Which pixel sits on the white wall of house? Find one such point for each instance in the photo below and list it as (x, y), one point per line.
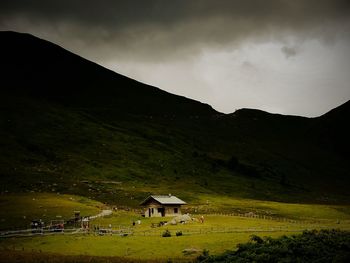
(154, 209)
(173, 211)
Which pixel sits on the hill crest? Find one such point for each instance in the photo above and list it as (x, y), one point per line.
(37, 67)
(65, 120)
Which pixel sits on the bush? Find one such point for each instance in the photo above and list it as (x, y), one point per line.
(179, 233)
(166, 233)
(310, 246)
(257, 239)
(204, 256)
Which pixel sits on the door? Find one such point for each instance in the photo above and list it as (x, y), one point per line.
(161, 210)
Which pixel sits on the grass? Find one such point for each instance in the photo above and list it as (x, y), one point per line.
(217, 223)
(17, 210)
(49, 144)
(136, 247)
(151, 246)
(114, 141)
(47, 206)
(158, 249)
(224, 204)
(216, 234)
(34, 257)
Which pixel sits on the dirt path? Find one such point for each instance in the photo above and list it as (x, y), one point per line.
(106, 212)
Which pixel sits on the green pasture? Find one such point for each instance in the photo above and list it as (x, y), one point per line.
(18, 210)
(147, 243)
(218, 204)
(137, 247)
(214, 223)
(218, 232)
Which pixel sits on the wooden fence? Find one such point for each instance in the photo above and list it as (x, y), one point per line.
(38, 232)
(204, 231)
(267, 217)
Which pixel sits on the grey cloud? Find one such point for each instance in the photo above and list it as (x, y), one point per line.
(121, 13)
(155, 29)
(248, 66)
(223, 52)
(289, 51)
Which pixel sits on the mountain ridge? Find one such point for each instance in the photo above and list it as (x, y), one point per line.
(74, 121)
(13, 39)
(51, 61)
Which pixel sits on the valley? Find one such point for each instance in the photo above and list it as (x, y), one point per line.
(75, 136)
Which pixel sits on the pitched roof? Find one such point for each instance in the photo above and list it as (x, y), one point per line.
(165, 200)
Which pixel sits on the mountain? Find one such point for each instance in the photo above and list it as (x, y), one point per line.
(38, 68)
(69, 125)
(333, 129)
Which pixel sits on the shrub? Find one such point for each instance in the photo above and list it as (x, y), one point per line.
(179, 233)
(310, 246)
(256, 239)
(204, 256)
(166, 233)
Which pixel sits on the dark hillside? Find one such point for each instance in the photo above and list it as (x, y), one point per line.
(333, 128)
(291, 148)
(35, 67)
(66, 121)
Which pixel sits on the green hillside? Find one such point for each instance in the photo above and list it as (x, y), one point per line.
(71, 126)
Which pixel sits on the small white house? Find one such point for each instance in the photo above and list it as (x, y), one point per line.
(162, 205)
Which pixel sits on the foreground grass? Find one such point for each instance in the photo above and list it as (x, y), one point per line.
(216, 234)
(150, 248)
(133, 247)
(147, 242)
(34, 257)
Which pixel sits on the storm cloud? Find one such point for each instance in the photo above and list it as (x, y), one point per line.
(289, 51)
(157, 28)
(135, 37)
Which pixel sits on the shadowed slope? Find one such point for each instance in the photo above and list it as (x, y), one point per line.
(36, 67)
(65, 120)
(333, 128)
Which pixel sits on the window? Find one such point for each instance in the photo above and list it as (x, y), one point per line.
(175, 210)
(152, 210)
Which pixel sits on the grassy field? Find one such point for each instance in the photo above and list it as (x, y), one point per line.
(136, 247)
(18, 210)
(212, 203)
(147, 243)
(216, 234)
(97, 139)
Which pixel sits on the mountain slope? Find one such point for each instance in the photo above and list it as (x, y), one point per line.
(39, 68)
(69, 125)
(333, 128)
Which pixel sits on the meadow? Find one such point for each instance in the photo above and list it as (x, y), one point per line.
(97, 140)
(18, 210)
(218, 233)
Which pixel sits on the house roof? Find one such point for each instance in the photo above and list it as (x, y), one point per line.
(165, 200)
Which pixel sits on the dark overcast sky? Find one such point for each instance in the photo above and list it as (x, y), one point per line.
(285, 56)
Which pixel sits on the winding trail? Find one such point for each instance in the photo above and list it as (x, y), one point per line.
(106, 212)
